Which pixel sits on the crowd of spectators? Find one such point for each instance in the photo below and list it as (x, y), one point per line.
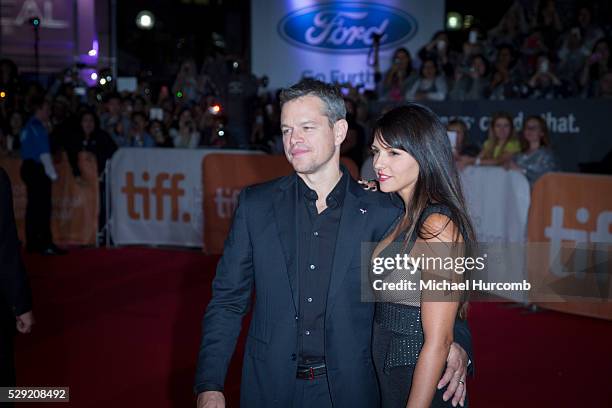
(531, 53)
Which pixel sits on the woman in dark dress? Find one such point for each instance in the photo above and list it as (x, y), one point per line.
(412, 333)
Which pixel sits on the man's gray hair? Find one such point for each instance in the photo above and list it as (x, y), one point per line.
(333, 102)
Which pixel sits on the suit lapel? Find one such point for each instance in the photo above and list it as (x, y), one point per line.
(284, 216)
(352, 222)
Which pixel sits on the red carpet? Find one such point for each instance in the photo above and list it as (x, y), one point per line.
(121, 328)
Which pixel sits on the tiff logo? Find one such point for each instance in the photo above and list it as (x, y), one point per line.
(557, 233)
(226, 200)
(159, 192)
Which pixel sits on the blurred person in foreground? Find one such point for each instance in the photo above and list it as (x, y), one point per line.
(309, 342)
(536, 157)
(500, 146)
(15, 295)
(38, 172)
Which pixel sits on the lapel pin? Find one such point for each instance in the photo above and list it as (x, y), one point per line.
(363, 211)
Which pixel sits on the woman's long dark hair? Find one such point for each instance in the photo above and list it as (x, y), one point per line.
(418, 131)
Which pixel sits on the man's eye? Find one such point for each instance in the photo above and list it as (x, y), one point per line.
(394, 153)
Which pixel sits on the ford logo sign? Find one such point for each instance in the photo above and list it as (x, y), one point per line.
(346, 27)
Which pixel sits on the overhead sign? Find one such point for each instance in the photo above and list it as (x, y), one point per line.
(347, 27)
(333, 41)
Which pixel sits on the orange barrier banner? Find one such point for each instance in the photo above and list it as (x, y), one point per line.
(74, 218)
(566, 210)
(224, 176)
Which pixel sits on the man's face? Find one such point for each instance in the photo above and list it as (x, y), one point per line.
(308, 139)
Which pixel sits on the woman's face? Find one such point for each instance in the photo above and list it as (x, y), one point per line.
(429, 70)
(402, 59)
(533, 131)
(88, 124)
(460, 134)
(396, 170)
(504, 57)
(502, 129)
(603, 50)
(16, 121)
(479, 66)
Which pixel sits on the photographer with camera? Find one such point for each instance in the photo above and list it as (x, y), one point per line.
(400, 77)
(184, 133)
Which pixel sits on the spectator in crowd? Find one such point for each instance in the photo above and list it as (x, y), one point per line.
(12, 133)
(549, 23)
(598, 64)
(400, 77)
(138, 135)
(184, 133)
(92, 139)
(536, 158)
(589, 31)
(429, 86)
(572, 56)
(472, 84)
(512, 26)
(501, 143)
(239, 92)
(605, 86)
(113, 121)
(354, 143)
(160, 134)
(504, 81)
(38, 172)
(544, 83)
(438, 50)
(462, 146)
(185, 87)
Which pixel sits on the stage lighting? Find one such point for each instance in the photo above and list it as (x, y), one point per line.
(468, 21)
(94, 76)
(102, 81)
(35, 21)
(2, 94)
(92, 53)
(179, 94)
(214, 109)
(454, 21)
(145, 20)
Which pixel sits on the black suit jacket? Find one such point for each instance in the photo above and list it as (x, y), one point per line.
(15, 295)
(260, 255)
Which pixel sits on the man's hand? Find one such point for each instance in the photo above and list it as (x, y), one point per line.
(25, 322)
(211, 399)
(454, 376)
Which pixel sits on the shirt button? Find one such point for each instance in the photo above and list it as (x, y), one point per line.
(296, 317)
(309, 300)
(307, 332)
(312, 267)
(316, 233)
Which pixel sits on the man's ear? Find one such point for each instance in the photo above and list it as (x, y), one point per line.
(340, 130)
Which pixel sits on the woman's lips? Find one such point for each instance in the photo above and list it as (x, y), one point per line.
(383, 177)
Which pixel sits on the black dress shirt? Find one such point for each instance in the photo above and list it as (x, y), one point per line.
(317, 234)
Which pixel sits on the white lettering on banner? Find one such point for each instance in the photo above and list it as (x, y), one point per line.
(556, 124)
(363, 77)
(329, 27)
(31, 8)
(557, 233)
(226, 200)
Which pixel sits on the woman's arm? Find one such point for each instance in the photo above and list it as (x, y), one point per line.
(438, 319)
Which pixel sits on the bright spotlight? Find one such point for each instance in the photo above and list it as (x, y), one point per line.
(145, 20)
(102, 81)
(94, 76)
(454, 21)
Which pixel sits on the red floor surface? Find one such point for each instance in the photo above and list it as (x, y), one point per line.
(121, 328)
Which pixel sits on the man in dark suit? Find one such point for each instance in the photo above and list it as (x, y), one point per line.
(15, 297)
(295, 241)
